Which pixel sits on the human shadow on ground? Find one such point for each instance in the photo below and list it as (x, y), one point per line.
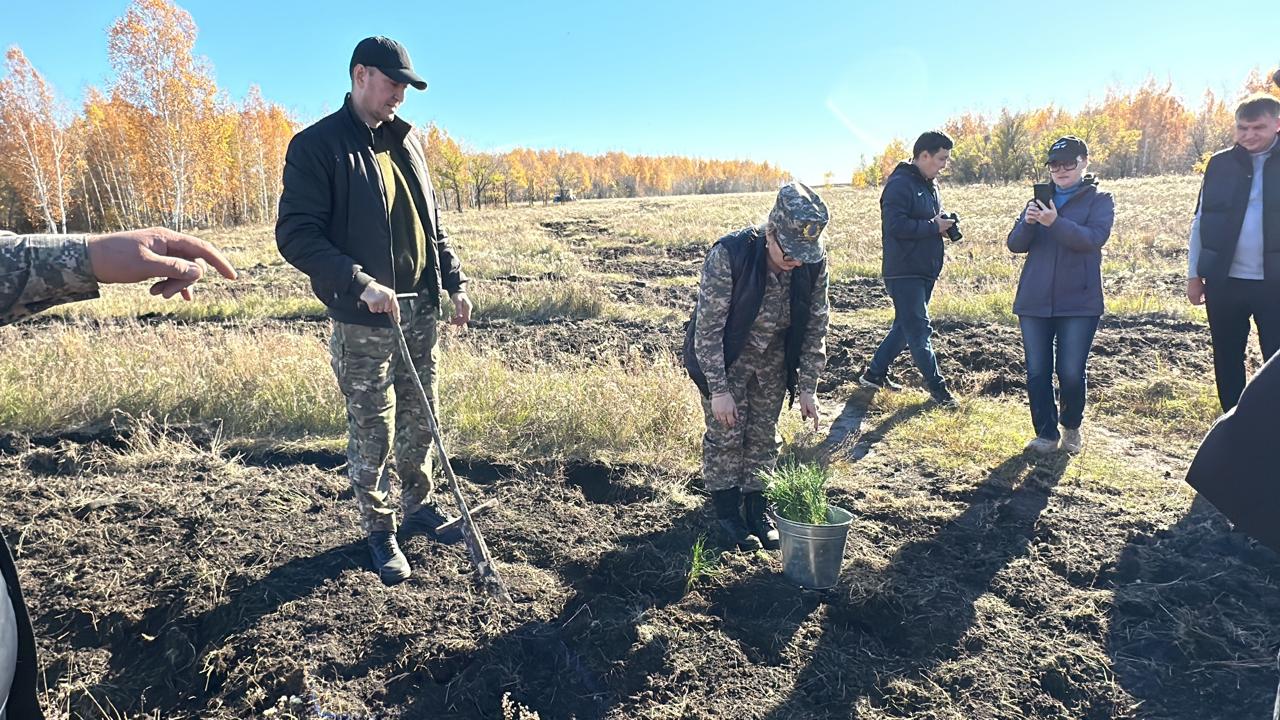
(912, 616)
(1195, 620)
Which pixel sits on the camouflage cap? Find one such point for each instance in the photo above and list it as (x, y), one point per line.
(800, 216)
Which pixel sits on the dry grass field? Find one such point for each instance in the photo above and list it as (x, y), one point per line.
(175, 489)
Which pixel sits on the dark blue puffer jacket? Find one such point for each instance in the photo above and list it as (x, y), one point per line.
(1062, 276)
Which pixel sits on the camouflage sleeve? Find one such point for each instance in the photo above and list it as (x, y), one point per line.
(714, 294)
(813, 351)
(40, 271)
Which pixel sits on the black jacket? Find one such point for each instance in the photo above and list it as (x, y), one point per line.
(749, 263)
(22, 695)
(1236, 467)
(912, 244)
(333, 223)
(1224, 197)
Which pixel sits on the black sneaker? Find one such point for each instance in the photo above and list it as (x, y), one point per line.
(427, 518)
(880, 382)
(390, 563)
(943, 398)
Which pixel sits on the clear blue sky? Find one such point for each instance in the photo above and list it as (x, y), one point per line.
(810, 86)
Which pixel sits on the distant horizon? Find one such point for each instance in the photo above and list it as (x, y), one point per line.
(724, 82)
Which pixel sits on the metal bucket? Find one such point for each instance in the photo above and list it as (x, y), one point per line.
(812, 554)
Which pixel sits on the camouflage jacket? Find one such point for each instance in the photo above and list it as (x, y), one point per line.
(40, 271)
(715, 296)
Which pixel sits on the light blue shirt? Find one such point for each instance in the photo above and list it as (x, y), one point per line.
(1247, 263)
(1062, 195)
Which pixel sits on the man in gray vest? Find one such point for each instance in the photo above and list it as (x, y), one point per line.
(1234, 258)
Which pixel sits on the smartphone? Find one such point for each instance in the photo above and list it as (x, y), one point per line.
(1043, 192)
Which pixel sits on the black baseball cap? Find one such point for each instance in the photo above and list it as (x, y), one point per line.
(389, 57)
(1066, 149)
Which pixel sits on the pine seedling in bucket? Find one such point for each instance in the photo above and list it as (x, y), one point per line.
(811, 531)
(798, 492)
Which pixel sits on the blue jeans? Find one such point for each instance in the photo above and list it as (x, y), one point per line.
(1074, 337)
(911, 329)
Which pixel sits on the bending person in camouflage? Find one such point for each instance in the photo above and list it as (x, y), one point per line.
(758, 333)
(359, 216)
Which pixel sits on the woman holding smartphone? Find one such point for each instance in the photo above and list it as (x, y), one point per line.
(1059, 300)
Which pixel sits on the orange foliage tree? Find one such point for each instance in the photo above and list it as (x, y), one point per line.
(1142, 132)
(35, 145)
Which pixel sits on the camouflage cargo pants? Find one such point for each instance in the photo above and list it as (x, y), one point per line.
(384, 408)
(736, 456)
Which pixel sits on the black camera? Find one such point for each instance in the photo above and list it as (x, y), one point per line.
(953, 232)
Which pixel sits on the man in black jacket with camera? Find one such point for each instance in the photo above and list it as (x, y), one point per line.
(912, 228)
(359, 216)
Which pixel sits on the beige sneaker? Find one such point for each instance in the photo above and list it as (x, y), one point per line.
(1071, 440)
(1042, 446)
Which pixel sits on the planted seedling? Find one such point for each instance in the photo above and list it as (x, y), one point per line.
(702, 563)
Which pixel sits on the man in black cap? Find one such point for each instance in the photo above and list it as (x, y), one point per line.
(359, 216)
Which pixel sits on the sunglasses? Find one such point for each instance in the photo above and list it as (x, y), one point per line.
(1062, 166)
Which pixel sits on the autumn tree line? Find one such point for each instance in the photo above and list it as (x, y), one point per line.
(1147, 131)
(162, 144)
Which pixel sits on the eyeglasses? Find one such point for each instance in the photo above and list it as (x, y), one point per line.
(1062, 167)
(785, 256)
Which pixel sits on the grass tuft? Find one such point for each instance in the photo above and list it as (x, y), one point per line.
(799, 492)
(702, 564)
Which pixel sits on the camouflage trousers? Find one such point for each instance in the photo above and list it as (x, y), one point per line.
(385, 408)
(736, 456)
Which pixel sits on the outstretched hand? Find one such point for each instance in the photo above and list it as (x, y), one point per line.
(137, 255)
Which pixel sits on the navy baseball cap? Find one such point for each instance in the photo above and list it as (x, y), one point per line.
(389, 57)
(1067, 149)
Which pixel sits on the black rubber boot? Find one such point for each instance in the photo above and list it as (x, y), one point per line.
(426, 519)
(390, 563)
(733, 531)
(759, 523)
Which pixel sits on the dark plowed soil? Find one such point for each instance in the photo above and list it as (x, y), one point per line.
(858, 294)
(987, 358)
(676, 298)
(197, 587)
